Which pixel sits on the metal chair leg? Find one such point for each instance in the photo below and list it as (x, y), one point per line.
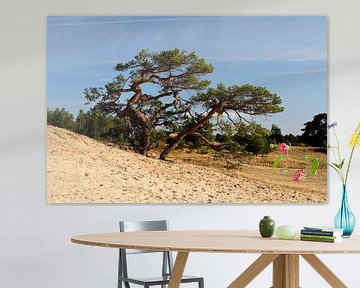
(165, 266)
(201, 283)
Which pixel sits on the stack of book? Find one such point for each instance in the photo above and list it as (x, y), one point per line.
(321, 234)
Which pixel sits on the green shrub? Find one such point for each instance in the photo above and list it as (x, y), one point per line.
(203, 150)
(258, 145)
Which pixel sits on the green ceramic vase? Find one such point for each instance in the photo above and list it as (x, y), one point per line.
(266, 227)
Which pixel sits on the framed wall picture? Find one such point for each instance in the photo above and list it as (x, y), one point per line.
(184, 109)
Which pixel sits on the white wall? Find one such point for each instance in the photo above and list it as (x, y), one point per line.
(35, 248)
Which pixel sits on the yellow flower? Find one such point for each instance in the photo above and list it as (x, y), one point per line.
(355, 138)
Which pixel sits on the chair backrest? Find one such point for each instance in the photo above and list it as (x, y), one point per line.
(134, 226)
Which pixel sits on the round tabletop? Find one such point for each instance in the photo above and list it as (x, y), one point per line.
(217, 241)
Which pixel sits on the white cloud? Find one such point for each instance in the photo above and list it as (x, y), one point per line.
(140, 20)
(304, 72)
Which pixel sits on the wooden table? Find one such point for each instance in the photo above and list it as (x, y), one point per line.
(284, 254)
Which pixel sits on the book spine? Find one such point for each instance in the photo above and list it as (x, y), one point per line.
(320, 233)
(318, 236)
(318, 239)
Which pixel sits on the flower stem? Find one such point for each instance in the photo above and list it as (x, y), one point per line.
(348, 166)
(339, 157)
(338, 146)
(337, 171)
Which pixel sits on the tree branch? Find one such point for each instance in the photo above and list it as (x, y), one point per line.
(241, 117)
(157, 97)
(206, 141)
(166, 106)
(228, 116)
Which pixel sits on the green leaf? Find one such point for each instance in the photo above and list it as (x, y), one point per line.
(334, 167)
(339, 166)
(307, 158)
(314, 166)
(277, 161)
(342, 163)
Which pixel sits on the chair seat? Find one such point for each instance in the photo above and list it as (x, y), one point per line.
(158, 280)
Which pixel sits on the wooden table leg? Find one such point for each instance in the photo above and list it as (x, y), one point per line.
(293, 262)
(324, 271)
(286, 271)
(253, 270)
(178, 270)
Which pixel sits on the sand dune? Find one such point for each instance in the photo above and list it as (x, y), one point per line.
(82, 170)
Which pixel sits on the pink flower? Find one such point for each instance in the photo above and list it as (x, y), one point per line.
(284, 148)
(298, 175)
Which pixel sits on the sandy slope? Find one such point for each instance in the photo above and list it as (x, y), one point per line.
(82, 170)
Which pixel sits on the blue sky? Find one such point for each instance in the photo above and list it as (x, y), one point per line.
(287, 55)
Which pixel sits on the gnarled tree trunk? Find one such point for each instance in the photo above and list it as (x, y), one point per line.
(177, 139)
(139, 119)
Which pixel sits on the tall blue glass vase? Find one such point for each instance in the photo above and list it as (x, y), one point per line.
(345, 219)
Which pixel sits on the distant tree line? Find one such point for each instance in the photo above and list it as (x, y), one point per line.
(94, 124)
(313, 134)
(244, 137)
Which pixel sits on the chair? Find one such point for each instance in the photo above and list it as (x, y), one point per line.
(167, 262)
